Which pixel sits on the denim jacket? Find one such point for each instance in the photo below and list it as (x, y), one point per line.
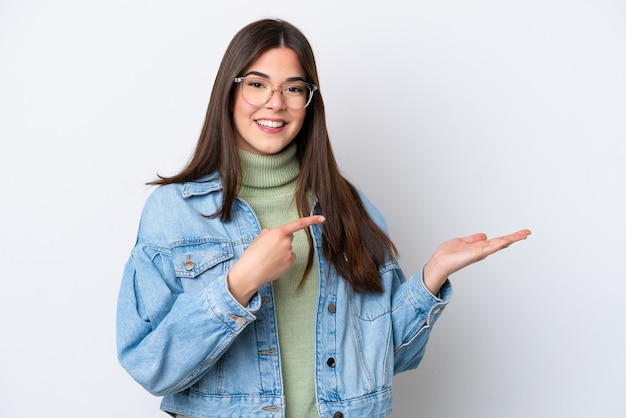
(183, 336)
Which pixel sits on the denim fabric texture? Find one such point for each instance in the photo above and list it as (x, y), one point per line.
(182, 335)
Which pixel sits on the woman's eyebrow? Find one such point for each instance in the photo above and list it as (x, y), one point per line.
(267, 77)
(256, 73)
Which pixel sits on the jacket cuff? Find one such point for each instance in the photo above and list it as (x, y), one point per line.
(226, 308)
(424, 301)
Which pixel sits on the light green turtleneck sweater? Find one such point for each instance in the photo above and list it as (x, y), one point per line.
(269, 184)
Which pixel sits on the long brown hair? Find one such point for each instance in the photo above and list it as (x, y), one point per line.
(351, 240)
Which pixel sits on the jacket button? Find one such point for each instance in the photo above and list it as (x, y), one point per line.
(188, 263)
(331, 362)
(338, 414)
(332, 308)
(239, 320)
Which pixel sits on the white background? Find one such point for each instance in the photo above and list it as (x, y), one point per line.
(454, 117)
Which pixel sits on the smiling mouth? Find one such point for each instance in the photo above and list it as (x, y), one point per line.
(270, 123)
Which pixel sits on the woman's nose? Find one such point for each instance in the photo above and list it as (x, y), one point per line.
(276, 101)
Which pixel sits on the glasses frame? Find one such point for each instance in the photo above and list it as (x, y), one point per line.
(312, 89)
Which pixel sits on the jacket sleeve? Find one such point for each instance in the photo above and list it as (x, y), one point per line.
(166, 339)
(414, 312)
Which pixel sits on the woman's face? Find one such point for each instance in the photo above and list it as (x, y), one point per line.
(267, 129)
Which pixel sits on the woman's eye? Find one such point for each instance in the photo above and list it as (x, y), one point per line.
(256, 84)
(295, 89)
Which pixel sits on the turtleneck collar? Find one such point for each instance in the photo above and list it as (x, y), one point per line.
(269, 171)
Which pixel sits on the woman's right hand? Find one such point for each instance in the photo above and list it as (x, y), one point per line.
(266, 259)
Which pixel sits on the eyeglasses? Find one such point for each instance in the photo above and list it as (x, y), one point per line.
(257, 91)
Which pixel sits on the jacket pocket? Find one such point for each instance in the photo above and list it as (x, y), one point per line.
(192, 258)
(369, 306)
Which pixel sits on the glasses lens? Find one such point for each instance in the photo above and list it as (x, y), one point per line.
(257, 92)
(296, 95)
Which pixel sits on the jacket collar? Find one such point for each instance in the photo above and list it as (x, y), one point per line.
(213, 183)
(204, 185)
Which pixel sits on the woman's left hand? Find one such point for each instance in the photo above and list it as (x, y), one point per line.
(453, 255)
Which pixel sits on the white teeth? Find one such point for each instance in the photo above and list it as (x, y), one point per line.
(270, 123)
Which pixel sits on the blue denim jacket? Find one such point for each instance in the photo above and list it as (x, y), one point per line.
(183, 336)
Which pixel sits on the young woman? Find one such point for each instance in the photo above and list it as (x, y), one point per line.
(262, 283)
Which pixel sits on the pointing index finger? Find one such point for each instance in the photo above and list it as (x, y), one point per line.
(301, 223)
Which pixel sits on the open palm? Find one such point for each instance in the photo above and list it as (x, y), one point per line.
(457, 253)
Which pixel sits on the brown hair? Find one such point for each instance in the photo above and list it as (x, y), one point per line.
(352, 242)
